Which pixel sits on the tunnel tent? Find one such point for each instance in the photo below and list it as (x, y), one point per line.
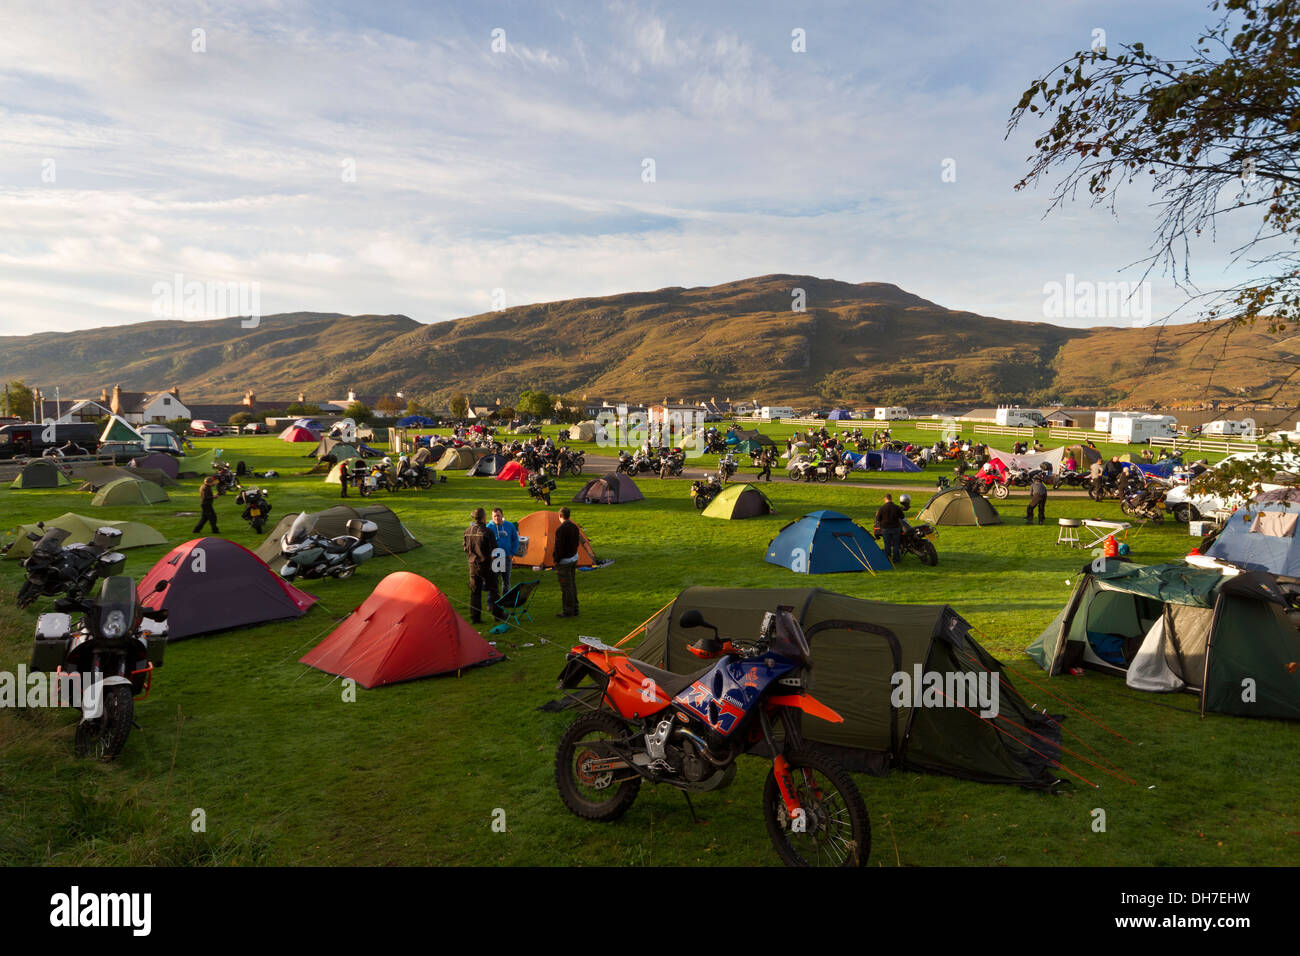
(81, 530)
(393, 537)
(405, 630)
(857, 648)
(1172, 627)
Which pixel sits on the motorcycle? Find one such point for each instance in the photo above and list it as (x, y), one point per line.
(71, 571)
(416, 476)
(726, 468)
(671, 464)
(626, 465)
(688, 730)
(843, 469)
(805, 470)
(310, 555)
(576, 461)
(540, 487)
(1148, 503)
(916, 540)
(1069, 479)
(985, 484)
(705, 490)
(257, 506)
(109, 656)
(226, 479)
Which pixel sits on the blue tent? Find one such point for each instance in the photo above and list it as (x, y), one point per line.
(881, 461)
(826, 542)
(839, 415)
(412, 421)
(1261, 537)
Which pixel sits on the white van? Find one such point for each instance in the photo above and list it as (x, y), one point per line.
(1105, 420)
(1189, 502)
(1133, 431)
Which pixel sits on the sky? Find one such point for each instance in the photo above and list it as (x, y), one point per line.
(440, 160)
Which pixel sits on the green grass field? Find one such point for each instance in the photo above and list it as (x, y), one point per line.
(284, 771)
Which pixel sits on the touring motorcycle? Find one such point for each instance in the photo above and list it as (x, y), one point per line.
(311, 555)
(72, 571)
(687, 731)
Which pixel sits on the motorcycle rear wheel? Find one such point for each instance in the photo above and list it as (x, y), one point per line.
(927, 553)
(364, 490)
(592, 796)
(838, 830)
(104, 738)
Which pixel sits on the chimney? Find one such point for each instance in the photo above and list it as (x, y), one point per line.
(103, 396)
(249, 398)
(352, 396)
(175, 392)
(117, 400)
(302, 398)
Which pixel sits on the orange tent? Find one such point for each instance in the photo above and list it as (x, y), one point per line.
(539, 528)
(405, 630)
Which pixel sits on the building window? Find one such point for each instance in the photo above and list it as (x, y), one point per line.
(167, 401)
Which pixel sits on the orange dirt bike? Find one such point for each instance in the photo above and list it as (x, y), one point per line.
(687, 730)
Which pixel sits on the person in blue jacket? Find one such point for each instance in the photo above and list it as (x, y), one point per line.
(507, 541)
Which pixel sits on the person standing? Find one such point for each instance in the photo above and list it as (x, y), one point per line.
(889, 519)
(207, 497)
(480, 542)
(1095, 472)
(507, 538)
(765, 463)
(566, 564)
(1038, 498)
(345, 477)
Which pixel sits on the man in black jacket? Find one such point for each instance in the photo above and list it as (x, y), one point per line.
(566, 564)
(207, 495)
(889, 519)
(1037, 499)
(480, 542)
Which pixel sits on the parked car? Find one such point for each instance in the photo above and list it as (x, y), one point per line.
(256, 428)
(203, 428)
(1189, 502)
(123, 451)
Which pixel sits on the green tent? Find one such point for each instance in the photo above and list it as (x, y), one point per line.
(391, 538)
(129, 491)
(857, 647)
(456, 459)
(40, 473)
(81, 530)
(94, 477)
(119, 430)
(1170, 627)
(957, 506)
(739, 501)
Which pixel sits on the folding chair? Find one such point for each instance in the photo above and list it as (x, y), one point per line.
(515, 601)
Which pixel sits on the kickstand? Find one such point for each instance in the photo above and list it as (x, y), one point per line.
(690, 806)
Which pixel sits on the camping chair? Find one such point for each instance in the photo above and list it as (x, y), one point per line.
(515, 601)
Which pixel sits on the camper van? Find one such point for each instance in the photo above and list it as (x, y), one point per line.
(893, 413)
(1016, 417)
(1105, 421)
(1225, 426)
(776, 411)
(32, 438)
(1134, 431)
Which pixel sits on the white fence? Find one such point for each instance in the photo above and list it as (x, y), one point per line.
(1076, 434)
(1016, 431)
(1223, 446)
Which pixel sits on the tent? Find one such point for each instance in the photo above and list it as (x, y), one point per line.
(391, 538)
(167, 464)
(118, 430)
(40, 473)
(296, 433)
(455, 459)
(857, 648)
(82, 529)
(95, 477)
(1262, 535)
(1084, 455)
(839, 415)
(513, 471)
(609, 489)
(880, 461)
(587, 431)
(214, 584)
(405, 630)
(415, 421)
(129, 491)
(957, 506)
(487, 466)
(826, 542)
(739, 501)
(1168, 627)
(539, 528)
(324, 447)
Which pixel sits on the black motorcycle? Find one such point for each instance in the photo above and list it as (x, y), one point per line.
(1146, 504)
(416, 476)
(726, 468)
(257, 506)
(107, 658)
(916, 540)
(71, 571)
(1070, 479)
(705, 490)
(671, 464)
(540, 486)
(226, 479)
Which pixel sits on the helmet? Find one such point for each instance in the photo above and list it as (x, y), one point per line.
(387, 460)
(905, 501)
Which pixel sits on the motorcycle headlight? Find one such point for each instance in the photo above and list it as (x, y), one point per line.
(114, 624)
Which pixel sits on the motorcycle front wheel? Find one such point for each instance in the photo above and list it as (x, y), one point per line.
(104, 738)
(1001, 490)
(593, 796)
(835, 830)
(27, 594)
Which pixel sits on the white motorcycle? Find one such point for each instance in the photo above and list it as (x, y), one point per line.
(311, 555)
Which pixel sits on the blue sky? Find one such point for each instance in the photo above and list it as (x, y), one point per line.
(521, 170)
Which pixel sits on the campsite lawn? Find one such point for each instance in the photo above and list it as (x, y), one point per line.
(286, 772)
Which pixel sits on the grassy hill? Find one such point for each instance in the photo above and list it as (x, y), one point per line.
(853, 343)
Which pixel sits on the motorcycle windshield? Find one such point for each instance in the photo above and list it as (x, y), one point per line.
(52, 541)
(301, 530)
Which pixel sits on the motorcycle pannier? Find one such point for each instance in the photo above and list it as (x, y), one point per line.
(53, 637)
(107, 538)
(362, 530)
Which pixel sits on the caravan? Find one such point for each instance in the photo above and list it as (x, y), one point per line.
(1105, 421)
(1016, 417)
(892, 413)
(1137, 430)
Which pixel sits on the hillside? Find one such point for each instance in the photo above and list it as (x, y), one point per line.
(854, 343)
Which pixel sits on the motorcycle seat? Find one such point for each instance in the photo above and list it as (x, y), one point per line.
(670, 683)
(341, 543)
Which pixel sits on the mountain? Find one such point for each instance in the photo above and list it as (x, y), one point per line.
(852, 343)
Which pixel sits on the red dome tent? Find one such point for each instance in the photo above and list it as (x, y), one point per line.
(296, 433)
(513, 471)
(405, 630)
(214, 584)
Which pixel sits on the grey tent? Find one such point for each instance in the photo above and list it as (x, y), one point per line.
(610, 489)
(1171, 627)
(1262, 535)
(857, 647)
(392, 537)
(455, 458)
(40, 473)
(487, 466)
(157, 461)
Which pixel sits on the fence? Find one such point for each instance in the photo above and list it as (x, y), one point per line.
(1076, 434)
(1222, 446)
(1015, 431)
